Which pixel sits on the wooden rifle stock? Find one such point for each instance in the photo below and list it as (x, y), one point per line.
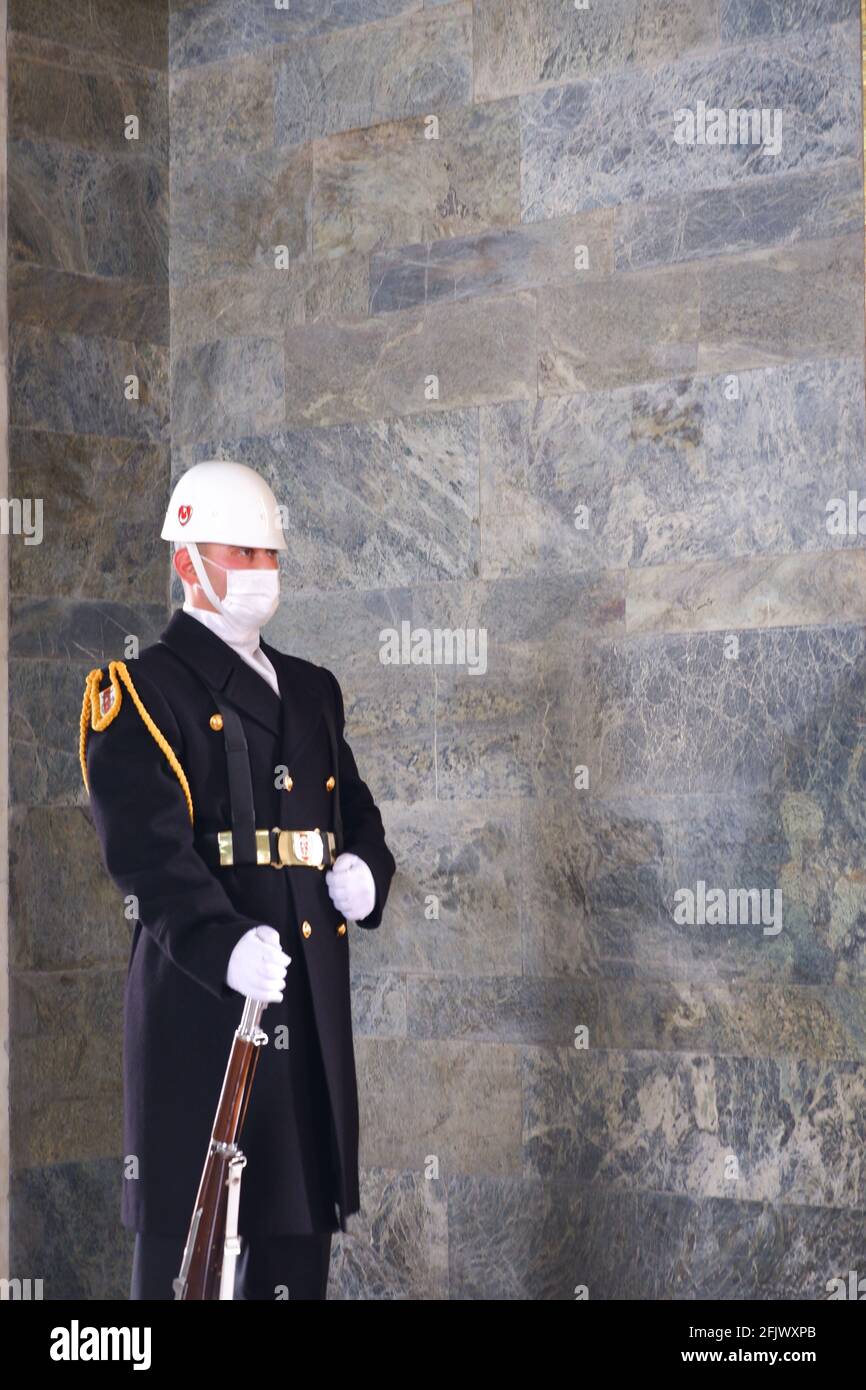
(212, 1246)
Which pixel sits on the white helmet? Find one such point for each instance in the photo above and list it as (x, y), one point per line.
(224, 502)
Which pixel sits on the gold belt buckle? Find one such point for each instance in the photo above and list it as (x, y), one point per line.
(300, 848)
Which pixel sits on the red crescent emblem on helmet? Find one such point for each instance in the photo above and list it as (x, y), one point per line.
(184, 514)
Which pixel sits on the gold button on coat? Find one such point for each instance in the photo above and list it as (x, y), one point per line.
(288, 784)
(341, 930)
(306, 928)
(216, 721)
(330, 784)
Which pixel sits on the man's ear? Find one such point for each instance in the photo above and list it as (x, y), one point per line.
(183, 565)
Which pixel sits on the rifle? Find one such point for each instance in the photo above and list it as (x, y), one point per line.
(207, 1270)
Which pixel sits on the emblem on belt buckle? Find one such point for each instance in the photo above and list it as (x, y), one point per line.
(308, 847)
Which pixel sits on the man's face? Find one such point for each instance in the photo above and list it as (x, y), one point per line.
(233, 557)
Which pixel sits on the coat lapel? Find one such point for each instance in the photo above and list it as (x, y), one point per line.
(302, 702)
(220, 667)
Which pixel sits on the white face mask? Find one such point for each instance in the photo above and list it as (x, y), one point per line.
(252, 596)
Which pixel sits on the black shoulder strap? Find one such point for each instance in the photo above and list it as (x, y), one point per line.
(240, 783)
(328, 710)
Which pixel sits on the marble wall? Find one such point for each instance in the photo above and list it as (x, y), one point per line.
(89, 309)
(553, 375)
(694, 379)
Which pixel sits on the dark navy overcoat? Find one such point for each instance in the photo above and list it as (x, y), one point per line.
(300, 1135)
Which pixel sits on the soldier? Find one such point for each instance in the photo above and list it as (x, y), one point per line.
(196, 757)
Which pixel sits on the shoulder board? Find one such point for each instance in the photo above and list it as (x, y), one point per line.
(101, 707)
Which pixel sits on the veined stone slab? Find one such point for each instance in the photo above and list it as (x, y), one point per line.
(743, 217)
(743, 19)
(720, 315)
(453, 903)
(75, 385)
(105, 307)
(737, 1017)
(372, 505)
(59, 94)
(384, 367)
(307, 291)
(611, 139)
(222, 109)
(103, 501)
(391, 184)
(263, 203)
(231, 387)
(754, 591)
(778, 305)
(671, 472)
(456, 1100)
(671, 1124)
(563, 250)
(354, 78)
(131, 33)
(213, 29)
(98, 214)
(521, 44)
(397, 1245)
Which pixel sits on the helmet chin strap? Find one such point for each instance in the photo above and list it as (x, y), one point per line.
(203, 580)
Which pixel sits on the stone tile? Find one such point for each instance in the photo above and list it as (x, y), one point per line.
(610, 140)
(766, 591)
(667, 472)
(97, 214)
(673, 714)
(462, 863)
(82, 304)
(378, 997)
(532, 42)
(598, 904)
(222, 109)
(89, 631)
(378, 505)
(90, 931)
(103, 503)
(618, 330)
(345, 638)
(742, 19)
(742, 1018)
(233, 387)
(214, 29)
(452, 1100)
(518, 1239)
(353, 78)
(240, 306)
(492, 729)
(522, 614)
(53, 99)
(366, 371)
(45, 700)
(390, 727)
(517, 258)
(133, 34)
(71, 384)
(63, 1003)
(801, 302)
(392, 184)
(397, 1244)
(65, 1229)
(263, 203)
(776, 211)
(673, 1124)
(73, 1069)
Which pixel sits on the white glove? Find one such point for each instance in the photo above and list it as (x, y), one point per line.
(352, 887)
(257, 966)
